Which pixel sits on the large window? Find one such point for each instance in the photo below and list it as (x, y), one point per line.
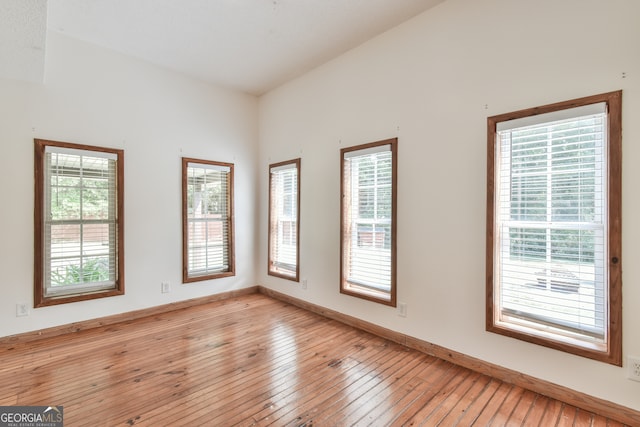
(78, 222)
(284, 224)
(368, 221)
(553, 226)
(207, 220)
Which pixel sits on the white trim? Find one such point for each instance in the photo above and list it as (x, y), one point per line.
(555, 116)
(220, 168)
(283, 167)
(366, 151)
(79, 152)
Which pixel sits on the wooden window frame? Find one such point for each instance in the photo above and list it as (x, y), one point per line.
(345, 286)
(231, 271)
(612, 354)
(40, 297)
(271, 264)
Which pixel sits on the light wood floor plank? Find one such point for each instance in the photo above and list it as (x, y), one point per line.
(552, 413)
(503, 413)
(280, 380)
(401, 393)
(567, 416)
(583, 418)
(536, 412)
(378, 397)
(350, 387)
(437, 416)
(461, 407)
(364, 398)
(426, 392)
(488, 412)
(293, 404)
(480, 400)
(256, 361)
(427, 409)
(524, 406)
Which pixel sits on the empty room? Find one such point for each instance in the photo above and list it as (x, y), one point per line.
(320, 212)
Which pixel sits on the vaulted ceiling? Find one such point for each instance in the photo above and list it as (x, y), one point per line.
(248, 45)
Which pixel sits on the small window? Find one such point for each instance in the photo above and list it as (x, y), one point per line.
(284, 224)
(553, 226)
(368, 221)
(78, 222)
(207, 220)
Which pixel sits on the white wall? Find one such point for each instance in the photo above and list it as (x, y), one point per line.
(432, 82)
(97, 97)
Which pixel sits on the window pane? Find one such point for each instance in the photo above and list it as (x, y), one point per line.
(283, 219)
(207, 217)
(65, 203)
(528, 243)
(80, 226)
(552, 181)
(367, 228)
(383, 202)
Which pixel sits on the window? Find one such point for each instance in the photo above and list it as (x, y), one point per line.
(284, 226)
(553, 226)
(78, 222)
(368, 221)
(207, 220)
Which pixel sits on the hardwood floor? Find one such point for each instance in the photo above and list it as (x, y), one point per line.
(255, 361)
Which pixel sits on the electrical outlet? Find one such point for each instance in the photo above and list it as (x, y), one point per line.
(22, 310)
(165, 287)
(633, 367)
(304, 283)
(402, 309)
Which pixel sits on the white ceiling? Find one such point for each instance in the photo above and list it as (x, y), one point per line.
(249, 45)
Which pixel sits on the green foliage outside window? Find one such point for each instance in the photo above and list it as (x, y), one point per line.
(91, 270)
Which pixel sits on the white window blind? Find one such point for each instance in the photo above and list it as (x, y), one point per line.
(367, 221)
(208, 219)
(283, 218)
(80, 221)
(551, 245)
